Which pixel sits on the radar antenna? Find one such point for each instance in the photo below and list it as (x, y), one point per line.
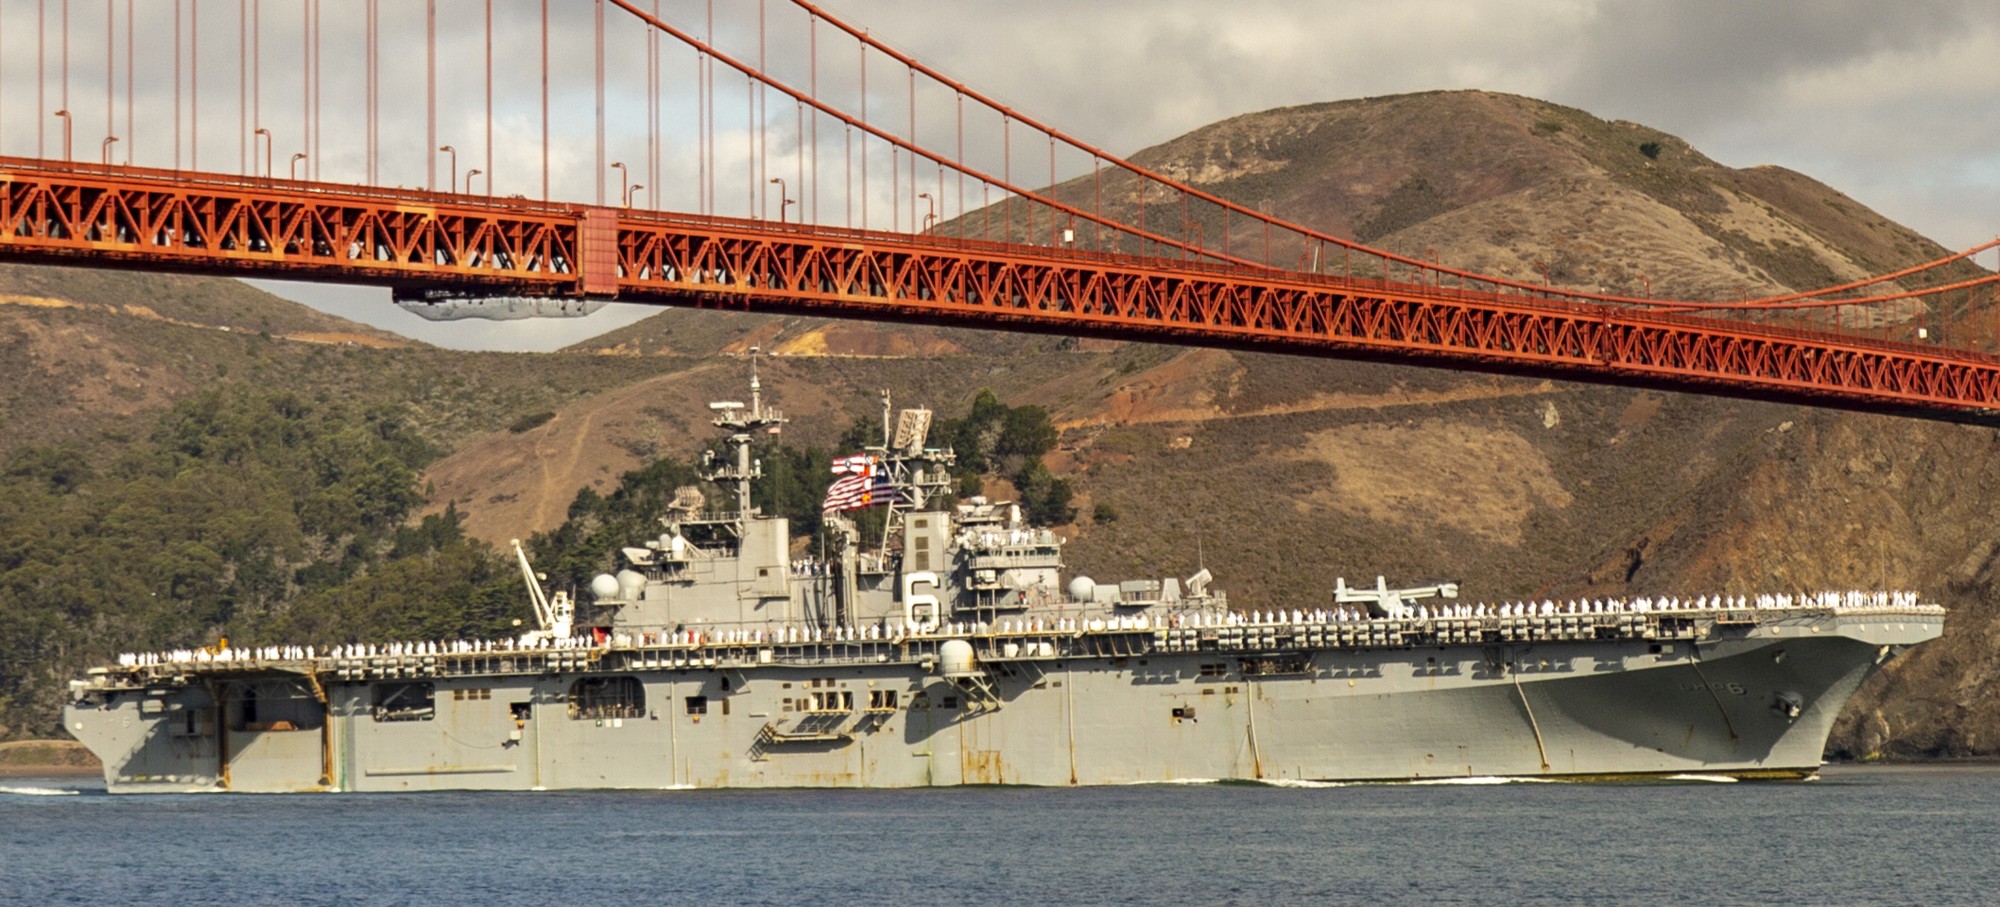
(742, 423)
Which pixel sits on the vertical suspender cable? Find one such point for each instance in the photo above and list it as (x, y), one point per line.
(194, 86)
(128, 82)
(600, 100)
(701, 99)
(545, 100)
(177, 84)
(915, 224)
(316, 156)
(653, 107)
(708, 93)
(812, 61)
(864, 138)
(430, 96)
(243, 87)
(305, 83)
(65, 78)
(961, 164)
(489, 98)
(800, 155)
(762, 123)
(41, 79)
(368, 95)
(110, 71)
(257, 79)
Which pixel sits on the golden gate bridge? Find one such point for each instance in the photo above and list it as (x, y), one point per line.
(790, 162)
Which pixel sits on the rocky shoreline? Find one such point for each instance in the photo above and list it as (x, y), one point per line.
(46, 758)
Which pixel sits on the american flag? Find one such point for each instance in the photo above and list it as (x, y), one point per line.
(858, 491)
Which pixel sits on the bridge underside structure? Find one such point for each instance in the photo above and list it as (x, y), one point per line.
(416, 242)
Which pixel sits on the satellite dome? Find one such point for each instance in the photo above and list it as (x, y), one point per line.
(955, 659)
(604, 585)
(1082, 588)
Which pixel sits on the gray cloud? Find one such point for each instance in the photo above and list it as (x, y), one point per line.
(1890, 105)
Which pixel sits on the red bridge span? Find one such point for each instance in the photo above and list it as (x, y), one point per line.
(1073, 254)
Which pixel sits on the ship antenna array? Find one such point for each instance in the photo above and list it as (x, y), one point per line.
(743, 423)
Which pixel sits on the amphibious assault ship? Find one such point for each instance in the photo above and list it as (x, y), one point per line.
(949, 650)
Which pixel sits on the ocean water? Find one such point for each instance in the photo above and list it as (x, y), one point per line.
(1864, 835)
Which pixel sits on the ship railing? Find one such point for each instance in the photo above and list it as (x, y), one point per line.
(1055, 636)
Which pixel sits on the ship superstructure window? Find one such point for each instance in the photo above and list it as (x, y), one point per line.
(593, 698)
(881, 700)
(405, 701)
(1253, 667)
(826, 701)
(697, 705)
(1214, 670)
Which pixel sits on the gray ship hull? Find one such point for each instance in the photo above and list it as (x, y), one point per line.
(1749, 695)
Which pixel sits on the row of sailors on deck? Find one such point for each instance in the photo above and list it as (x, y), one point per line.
(895, 630)
(351, 650)
(1551, 608)
(213, 656)
(988, 539)
(811, 567)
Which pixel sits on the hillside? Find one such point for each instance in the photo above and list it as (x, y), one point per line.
(1277, 473)
(89, 356)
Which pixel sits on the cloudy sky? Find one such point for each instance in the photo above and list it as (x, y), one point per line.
(1893, 104)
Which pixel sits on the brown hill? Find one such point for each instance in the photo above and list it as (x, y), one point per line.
(90, 357)
(1496, 183)
(87, 350)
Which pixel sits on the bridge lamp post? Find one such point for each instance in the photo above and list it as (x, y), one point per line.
(109, 140)
(296, 158)
(930, 217)
(266, 133)
(469, 174)
(66, 129)
(624, 177)
(632, 192)
(784, 197)
(454, 167)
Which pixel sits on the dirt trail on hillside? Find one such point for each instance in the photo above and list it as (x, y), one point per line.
(508, 485)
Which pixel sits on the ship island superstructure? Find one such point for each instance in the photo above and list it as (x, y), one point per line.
(944, 648)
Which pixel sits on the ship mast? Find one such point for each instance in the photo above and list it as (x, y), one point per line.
(743, 422)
